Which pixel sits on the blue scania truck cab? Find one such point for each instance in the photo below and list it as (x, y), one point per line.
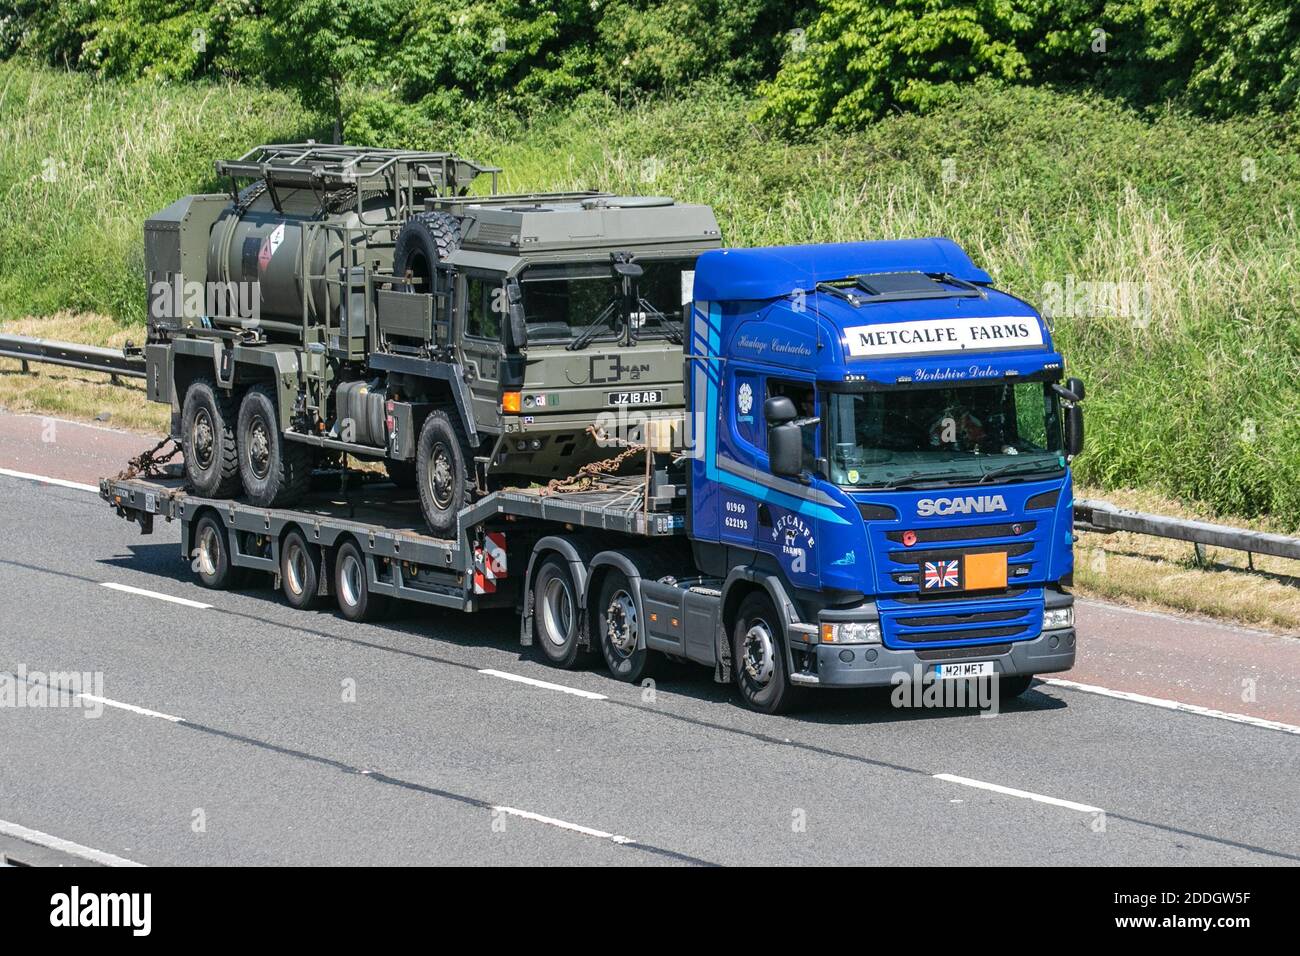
(881, 440)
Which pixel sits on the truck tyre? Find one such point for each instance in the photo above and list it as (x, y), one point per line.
(208, 441)
(211, 556)
(556, 614)
(759, 659)
(425, 240)
(442, 472)
(401, 473)
(352, 586)
(619, 625)
(300, 570)
(1013, 685)
(274, 472)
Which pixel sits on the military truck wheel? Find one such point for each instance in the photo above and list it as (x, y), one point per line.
(619, 622)
(212, 556)
(424, 240)
(442, 472)
(352, 586)
(758, 658)
(300, 569)
(556, 613)
(208, 440)
(401, 473)
(275, 472)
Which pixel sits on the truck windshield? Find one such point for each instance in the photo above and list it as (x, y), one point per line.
(952, 434)
(560, 301)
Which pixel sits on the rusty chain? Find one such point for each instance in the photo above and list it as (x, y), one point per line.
(149, 464)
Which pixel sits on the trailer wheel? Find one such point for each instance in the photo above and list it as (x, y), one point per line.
(275, 472)
(1013, 685)
(619, 624)
(211, 556)
(556, 613)
(443, 474)
(300, 570)
(352, 586)
(208, 440)
(758, 657)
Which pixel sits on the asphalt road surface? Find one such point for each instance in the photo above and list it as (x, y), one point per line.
(227, 728)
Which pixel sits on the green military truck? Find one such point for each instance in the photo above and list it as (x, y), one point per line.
(344, 300)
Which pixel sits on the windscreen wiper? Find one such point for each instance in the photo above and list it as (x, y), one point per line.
(923, 476)
(594, 328)
(1007, 469)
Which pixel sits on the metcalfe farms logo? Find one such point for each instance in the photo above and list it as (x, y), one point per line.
(944, 335)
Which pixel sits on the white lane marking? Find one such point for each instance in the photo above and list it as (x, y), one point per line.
(153, 594)
(45, 479)
(545, 685)
(142, 711)
(564, 825)
(1173, 705)
(1012, 792)
(29, 835)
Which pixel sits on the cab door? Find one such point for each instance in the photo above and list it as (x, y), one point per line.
(480, 313)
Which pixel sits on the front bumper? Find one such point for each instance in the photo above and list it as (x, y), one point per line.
(874, 665)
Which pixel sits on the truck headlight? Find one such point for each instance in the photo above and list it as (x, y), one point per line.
(1055, 617)
(851, 632)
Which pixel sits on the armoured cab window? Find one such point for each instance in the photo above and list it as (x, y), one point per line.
(804, 397)
(484, 305)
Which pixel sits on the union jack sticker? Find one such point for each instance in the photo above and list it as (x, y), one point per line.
(942, 574)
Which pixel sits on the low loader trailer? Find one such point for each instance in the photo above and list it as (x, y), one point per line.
(870, 479)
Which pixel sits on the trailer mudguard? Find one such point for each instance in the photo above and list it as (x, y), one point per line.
(577, 555)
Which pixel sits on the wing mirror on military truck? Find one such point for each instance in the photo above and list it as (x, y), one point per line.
(784, 437)
(516, 321)
(1072, 391)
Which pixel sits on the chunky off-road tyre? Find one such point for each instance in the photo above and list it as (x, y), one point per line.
(619, 625)
(300, 570)
(401, 473)
(758, 658)
(1011, 686)
(274, 472)
(556, 614)
(210, 556)
(352, 586)
(425, 240)
(208, 441)
(442, 472)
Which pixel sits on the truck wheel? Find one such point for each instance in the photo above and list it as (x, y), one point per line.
(442, 473)
(300, 567)
(275, 472)
(211, 556)
(758, 657)
(619, 624)
(401, 473)
(352, 587)
(1013, 685)
(208, 440)
(556, 613)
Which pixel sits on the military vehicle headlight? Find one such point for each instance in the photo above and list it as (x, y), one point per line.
(1055, 617)
(851, 632)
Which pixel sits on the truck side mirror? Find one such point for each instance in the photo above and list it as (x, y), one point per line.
(516, 322)
(1075, 385)
(1073, 430)
(785, 450)
(784, 438)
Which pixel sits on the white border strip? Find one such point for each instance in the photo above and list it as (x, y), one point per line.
(563, 825)
(153, 594)
(545, 685)
(28, 835)
(1174, 705)
(1012, 792)
(45, 480)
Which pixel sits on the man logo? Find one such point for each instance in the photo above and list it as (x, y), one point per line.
(971, 504)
